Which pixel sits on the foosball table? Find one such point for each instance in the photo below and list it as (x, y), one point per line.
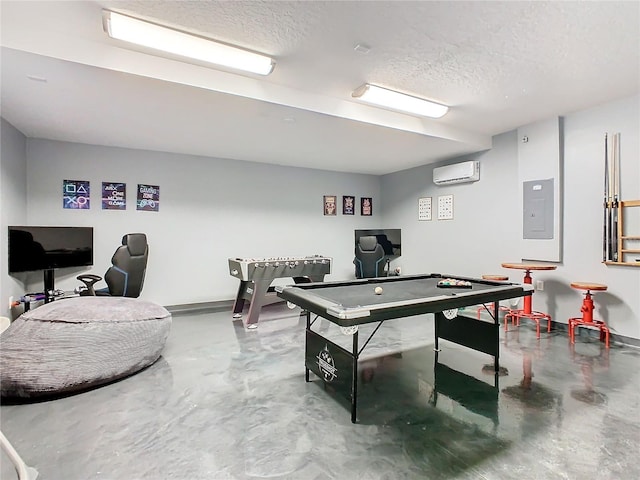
(257, 274)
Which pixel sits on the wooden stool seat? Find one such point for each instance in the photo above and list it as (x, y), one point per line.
(497, 278)
(589, 286)
(587, 312)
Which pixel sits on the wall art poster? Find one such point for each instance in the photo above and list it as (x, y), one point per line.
(148, 198)
(348, 205)
(76, 194)
(114, 196)
(366, 206)
(329, 202)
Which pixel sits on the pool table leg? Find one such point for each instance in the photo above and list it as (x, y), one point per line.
(354, 375)
(306, 370)
(496, 321)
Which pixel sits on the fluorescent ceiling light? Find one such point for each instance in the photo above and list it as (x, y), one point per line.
(132, 30)
(399, 101)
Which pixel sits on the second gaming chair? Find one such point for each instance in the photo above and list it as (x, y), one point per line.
(126, 275)
(370, 259)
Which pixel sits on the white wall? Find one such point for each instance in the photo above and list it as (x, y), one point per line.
(583, 214)
(484, 230)
(487, 231)
(210, 210)
(13, 204)
(540, 158)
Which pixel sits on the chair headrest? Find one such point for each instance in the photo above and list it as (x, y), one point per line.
(136, 243)
(368, 243)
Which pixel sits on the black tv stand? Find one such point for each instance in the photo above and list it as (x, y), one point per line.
(49, 285)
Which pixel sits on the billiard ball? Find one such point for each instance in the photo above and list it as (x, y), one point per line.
(377, 290)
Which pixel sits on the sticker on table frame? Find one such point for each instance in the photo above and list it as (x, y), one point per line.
(76, 194)
(329, 205)
(424, 208)
(366, 206)
(348, 205)
(445, 207)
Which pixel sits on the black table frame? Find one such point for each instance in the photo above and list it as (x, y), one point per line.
(470, 332)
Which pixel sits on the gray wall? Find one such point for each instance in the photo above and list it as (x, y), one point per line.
(13, 203)
(210, 209)
(486, 229)
(485, 215)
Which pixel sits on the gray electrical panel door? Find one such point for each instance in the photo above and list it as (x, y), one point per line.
(538, 209)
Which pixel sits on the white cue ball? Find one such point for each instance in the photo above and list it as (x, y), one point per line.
(378, 290)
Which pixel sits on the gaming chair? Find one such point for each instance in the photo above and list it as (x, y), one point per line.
(370, 259)
(126, 275)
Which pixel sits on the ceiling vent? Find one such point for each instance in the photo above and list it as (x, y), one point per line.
(457, 173)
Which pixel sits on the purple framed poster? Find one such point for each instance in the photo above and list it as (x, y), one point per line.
(366, 206)
(348, 205)
(148, 198)
(114, 196)
(76, 194)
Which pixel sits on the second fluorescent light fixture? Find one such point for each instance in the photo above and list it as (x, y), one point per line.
(399, 101)
(157, 37)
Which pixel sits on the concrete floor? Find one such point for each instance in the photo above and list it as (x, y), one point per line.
(222, 403)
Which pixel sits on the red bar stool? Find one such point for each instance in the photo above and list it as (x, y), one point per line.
(527, 310)
(495, 278)
(587, 313)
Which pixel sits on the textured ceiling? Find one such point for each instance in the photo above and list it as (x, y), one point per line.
(499, 65)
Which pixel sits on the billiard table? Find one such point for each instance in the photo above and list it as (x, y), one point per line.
(351, 303)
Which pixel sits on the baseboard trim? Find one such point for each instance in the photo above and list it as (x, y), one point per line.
(203, 307)
(591, 333)
(227, 305)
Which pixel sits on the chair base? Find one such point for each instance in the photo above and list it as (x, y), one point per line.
(516, 315)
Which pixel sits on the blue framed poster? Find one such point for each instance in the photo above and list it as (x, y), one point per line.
(76, 194)
(148, 198)
(114, 196)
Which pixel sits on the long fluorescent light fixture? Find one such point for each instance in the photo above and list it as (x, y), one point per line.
(399, 101)
(139, 32)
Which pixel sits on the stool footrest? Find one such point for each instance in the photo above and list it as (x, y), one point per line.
(516, 315)
(594, 324)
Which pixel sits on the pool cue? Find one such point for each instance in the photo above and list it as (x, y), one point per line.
(605, 251)
(616, 194)
(606, 245)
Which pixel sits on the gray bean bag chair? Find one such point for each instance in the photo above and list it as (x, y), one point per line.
(78, 343)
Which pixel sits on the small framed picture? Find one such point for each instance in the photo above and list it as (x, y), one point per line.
(348, 205)
(329, 203)
(366, 206)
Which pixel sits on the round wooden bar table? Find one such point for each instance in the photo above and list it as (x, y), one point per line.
(527, 310)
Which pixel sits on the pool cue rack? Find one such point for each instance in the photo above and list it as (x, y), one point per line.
(619, 246)
(628, 246)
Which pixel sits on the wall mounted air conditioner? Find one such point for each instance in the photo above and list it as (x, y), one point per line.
(457, 173)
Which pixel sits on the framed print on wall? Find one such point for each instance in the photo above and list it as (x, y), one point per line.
(366, 206)
(76, 194)
(114, 196)
(329, 203)
(348, 205)
(148, 198)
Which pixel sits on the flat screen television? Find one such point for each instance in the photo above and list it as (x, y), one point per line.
(35, 248)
